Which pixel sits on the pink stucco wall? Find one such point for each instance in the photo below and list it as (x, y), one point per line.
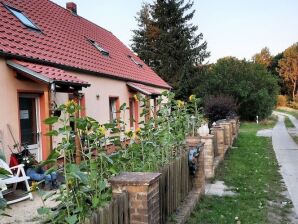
(96, 107)
(9, 112)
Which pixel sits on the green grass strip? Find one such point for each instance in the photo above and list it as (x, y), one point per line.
(251, 170)
(288, 123)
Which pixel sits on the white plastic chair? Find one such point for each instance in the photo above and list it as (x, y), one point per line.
(14, 179)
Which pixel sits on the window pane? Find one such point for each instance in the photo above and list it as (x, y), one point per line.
(131, 112)
(23, 18)
(113, 109)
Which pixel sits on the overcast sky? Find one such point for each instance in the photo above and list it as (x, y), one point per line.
(231, 27)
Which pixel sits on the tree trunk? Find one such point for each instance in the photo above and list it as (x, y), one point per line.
(294, 90)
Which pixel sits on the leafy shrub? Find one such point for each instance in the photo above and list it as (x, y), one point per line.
(294, 103)
(156, 143)
(281, 101)
(250, 84)
(219, 107)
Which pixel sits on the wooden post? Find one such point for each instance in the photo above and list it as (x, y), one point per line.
(77, 137)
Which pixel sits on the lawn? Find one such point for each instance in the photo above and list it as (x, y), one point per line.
(251, 170)
(288, 123)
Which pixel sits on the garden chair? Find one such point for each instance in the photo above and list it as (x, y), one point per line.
(14, 178)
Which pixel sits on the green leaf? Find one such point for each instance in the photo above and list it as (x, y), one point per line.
(51, 120)
(54, 155)
(71, 219)
(113, 170)
(95, 202)
(43, 211)
(49, 195)
(123, 106)
(4, 172)
(52, 133)
(3, 203)
(51, 170)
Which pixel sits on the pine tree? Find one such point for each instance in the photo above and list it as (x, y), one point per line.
(169, 43)
(144, 36)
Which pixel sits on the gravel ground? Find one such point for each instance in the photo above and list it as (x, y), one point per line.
(25, 211)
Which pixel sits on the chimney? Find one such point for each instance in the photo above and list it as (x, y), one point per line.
(71, 6)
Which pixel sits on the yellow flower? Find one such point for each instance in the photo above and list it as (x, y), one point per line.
(129, 133)
(192, 97)
(102, 130)
(71, 106)
(34, 186)
(180, 103)
(136, 98)
(138, 131)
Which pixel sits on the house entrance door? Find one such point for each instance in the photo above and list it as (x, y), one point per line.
(30, 123)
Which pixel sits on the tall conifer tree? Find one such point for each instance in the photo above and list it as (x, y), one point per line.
(168, 42)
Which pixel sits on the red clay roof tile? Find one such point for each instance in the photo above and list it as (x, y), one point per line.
(52, 73)
(147, 90)
(63, 40)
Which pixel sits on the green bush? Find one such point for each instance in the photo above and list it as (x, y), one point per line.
(251, 85)
(281, 101)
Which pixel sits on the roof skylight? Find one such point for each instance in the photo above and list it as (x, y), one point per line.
(100, 48)
(24, 19)
(136, 62)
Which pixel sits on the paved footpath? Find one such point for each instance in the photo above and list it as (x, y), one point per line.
(286, 151)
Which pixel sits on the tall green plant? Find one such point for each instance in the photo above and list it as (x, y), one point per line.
(156, 143)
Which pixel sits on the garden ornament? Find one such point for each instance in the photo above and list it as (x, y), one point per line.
(192, 158)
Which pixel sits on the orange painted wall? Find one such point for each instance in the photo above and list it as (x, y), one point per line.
(9, 107)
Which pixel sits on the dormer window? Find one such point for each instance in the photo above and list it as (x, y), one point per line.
(100, 48)
(23, 18)
(136, 62)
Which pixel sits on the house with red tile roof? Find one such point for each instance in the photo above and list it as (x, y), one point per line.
(50, 54)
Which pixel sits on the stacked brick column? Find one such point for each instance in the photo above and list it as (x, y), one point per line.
(209, 156)
(143, 191)
(220, 142)
(237, 124)
(199, 178)
(227, 133)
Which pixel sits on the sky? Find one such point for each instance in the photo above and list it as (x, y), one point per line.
(237, 28)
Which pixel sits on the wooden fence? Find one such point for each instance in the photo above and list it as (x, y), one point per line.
(175, 184)
(116, 212)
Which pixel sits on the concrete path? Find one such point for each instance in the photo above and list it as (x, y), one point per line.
(286, 151)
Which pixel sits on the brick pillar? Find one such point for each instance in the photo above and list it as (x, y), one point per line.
(220, 142)
(231, 131)
(226, 128)
(238, 124)
(143, 193)
(199, 178)
(209, 156)
(192, 141)
(215, 148)
(234, 123)
(234, 128)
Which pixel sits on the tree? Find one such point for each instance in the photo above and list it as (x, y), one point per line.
(288, 67)
(145, 36)
(263, 58)
(169, 43)
(250, 84)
